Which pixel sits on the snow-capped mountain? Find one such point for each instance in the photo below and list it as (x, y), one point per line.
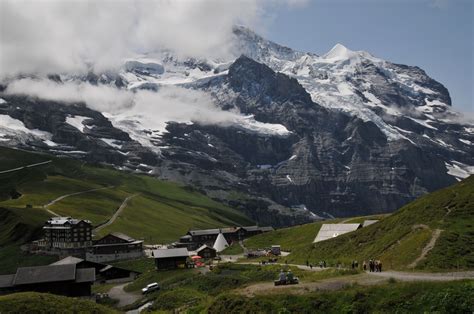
(294, 135)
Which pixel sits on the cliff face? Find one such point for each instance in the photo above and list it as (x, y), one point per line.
(341, 134)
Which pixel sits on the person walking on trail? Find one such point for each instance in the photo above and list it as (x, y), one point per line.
(371, 266)
(307, 263)
(353, 264)
(282, 276)
(364, 266)
(324, 264)
(311, 266)
(321, 264)
(378, 266)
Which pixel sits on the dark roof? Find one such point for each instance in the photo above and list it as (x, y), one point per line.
(118, 244)
(6, 280)
(250, 228)
(50, 273)
(107, 267)
(257, 228)
(123, 236)
(165, 253)
(44, 274)
(204, 232)
(214, 231)
(85, 275)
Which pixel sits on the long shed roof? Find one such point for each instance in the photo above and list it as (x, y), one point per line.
(50, 273)
(329, 231)
(165, 253)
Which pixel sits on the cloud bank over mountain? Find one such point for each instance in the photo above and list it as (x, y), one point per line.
(53, 36)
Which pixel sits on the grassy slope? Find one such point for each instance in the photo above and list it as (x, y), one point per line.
(16, 227)
(452, 297)
(190, 288)
(213, 292)
(233, 249)
(162, 211)
(399, 238)
(31, 302)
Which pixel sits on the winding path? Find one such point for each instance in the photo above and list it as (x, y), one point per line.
(68, 195)
(337, 283)
(125, 298)
(428, 247)
(27, 166)
(116, 214)
(409, 276)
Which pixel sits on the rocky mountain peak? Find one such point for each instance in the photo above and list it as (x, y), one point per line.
(258, 80)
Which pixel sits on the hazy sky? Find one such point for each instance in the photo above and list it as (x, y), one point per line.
(436, 35)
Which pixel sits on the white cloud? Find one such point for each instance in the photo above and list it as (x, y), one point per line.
(58, 36)
(151, 110)
(101, 98)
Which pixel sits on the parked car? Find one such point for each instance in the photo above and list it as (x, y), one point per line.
(292, 281)
(151, 287)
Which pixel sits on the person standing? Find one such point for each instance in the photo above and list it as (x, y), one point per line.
(364, 266)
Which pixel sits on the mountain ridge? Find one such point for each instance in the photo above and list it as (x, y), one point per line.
(350, 134)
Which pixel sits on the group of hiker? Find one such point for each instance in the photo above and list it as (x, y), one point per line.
(322, 264)
(284, 276)
(374, 266)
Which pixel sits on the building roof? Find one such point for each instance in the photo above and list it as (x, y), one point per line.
(215, 231)
(45, 274)
(368, 222)
(221, 243)
(6, 280)
(202, 247)
(58, 221)
(251, 228)
(166, 253)
(123, 236)
(118, 244)
(68, 260)
(85, 275)
(329, 231)
(50, 273)
(257, 228)
(225, 230)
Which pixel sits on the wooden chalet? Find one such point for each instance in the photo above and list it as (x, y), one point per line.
(171, 258)
(65, 280)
